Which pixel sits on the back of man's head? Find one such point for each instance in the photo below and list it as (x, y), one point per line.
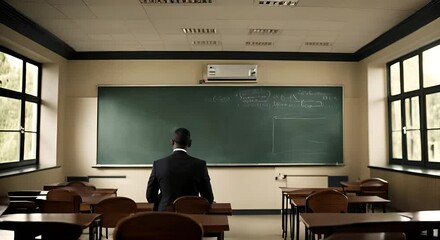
(182, 137)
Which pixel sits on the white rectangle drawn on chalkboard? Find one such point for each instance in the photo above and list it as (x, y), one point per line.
(299, 134)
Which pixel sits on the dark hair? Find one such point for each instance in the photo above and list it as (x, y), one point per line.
(182, 137)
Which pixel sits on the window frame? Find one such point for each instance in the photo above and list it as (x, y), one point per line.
(24, 98)
(422, 92)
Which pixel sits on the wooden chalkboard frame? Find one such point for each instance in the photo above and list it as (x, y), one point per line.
(259, 164)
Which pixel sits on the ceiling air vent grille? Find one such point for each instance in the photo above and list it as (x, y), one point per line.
(205, 43)
(259, 44)
(263, 31)
(199, 30)
(175, 2)
(277, 3)
(319, 44)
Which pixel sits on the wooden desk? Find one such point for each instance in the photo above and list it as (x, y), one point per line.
(351, 187)
(298, 203)
(408, 222)
(216, 208)
(91, 221)
(61, 184)
(89, 198)
(289, 192)
(212, 224)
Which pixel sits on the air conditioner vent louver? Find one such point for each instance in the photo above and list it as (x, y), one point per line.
(175, 2)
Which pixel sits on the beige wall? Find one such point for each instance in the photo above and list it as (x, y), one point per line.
(407, 192)
(243, 187)
(54, 68)
(69, 119)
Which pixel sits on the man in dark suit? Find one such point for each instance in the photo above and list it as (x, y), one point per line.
(178, 175)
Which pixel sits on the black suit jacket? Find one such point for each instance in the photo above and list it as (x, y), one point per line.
(178, 175)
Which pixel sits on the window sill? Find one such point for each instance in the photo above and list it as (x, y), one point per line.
(409, 170)
(24, 170)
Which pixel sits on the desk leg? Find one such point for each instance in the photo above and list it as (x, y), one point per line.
(221, 236)
(292, 221)
(282, 215)
(297, 223)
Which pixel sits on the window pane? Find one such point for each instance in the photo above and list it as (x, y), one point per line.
(31, 117)
(397, 144)
(396, 119)
(30, 146)
(11, 69)
(414, 148)
(412, 113)
(9, 146)
(31, 79)
(9, 113)
(433, 110)
(395, 78)
(434, 145)
(411, 74)
(431, 67)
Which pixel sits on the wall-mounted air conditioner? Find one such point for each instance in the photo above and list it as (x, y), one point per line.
(231, 73)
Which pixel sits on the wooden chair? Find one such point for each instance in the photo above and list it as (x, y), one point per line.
(374, 187)
(158, 226)
(367, 236)
(113, 210)
(326, 201)
(47, 230)
(191, 205)
(61, 201)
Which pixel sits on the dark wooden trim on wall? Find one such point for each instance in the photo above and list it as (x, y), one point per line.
(23, 25)
(217, 55)
(425, 15)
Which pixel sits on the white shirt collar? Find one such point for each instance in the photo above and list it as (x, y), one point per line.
(179, 149)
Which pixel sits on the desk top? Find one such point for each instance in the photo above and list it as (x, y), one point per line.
(92, 197)
(316, 220)
(352, 199)
(410, 222)
(216, 208)
(83, 219)
(304, 191)
(211, 223)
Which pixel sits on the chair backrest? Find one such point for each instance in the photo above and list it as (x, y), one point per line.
(47, 230)
(191, 205)
(114, 209)
(374, 187)
(327, 201)
(61, 200)
(158, 226)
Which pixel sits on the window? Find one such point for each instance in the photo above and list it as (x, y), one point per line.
(20, 80)
(414, 108)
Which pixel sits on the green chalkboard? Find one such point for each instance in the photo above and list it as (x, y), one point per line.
(230, 125)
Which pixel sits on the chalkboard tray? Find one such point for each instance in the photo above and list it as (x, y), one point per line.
(230, 125)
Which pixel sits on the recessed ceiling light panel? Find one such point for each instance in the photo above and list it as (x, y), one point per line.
(174, 2)
(199, 30)
(277, 3)
(264, 31)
